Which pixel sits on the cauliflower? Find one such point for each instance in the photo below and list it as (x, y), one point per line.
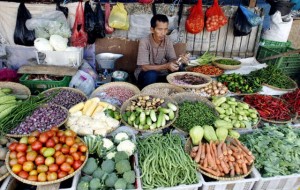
(75, 128)
(100, 116)
(108, 144)
(111, 122)
(101, 131)
(111, 155)
(72, 121)
(96, 124)
(126, 146)
(85, 131)
(84, 121)
(121, 137)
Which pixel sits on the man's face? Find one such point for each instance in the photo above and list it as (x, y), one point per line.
(160, 31)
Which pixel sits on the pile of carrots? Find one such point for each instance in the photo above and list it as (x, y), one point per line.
(207, 70)
(220, 159)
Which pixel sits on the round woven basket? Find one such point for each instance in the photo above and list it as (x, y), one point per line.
(283, 89)
(167, 100)
(190, 69)
(170, 79)
(191, 97)
(226, 67)
(59, 125)
(7, 173)
(188, 146)
(163, 89)
(66, 88)
(43, 183)
(17, 88)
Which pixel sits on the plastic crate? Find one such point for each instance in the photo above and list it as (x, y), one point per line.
(241, 184)
(5, 182)
(289, 182)
(274, 43)
(37, 86)
(74, 183)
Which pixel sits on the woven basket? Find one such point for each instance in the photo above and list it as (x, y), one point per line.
(191, 97)
(66, 88)
(188, 147)
(17, 88)
(190, 69)
(170, 79)
(59, 125)
(227, 67)
(167, 100)
(48, 182)
(7, 174)
(282, 89)
(163, 89)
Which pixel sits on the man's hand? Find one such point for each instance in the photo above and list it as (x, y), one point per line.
(172, 66)
(184, 59)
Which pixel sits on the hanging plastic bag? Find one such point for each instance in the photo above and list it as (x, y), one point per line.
(23, 36)
(241, 25)
(94, 21)
(284, 7)
(215, 17)
(252, 18)
(146, 1)
(79, 36)
(195, 21)
(108, 29)
(118, 17)
(83, 81)
(64, 10)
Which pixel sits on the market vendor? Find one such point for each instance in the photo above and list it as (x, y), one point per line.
(156, 55)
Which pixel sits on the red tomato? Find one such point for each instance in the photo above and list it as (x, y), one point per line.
(83, 148)
(40, 160)
(70, 133)
(76, 156)
(52, 176)
(65, 149)
(21, 160)
(12, 154)
(70, 140)
(28, 166)
(16, 168)
(69, 159)
(20, 154)
(37, 145)
(31, 156)
(60, 159)
(57, 153)
(62, 174)
(13, 162)
(50, 143)
(53, 168)
(73, 148)
(13, 146)
(42, 150)
(35, 133)
(23, 174)
(56, 139)
(33, 172)
(32, 178)
(58, 147)
(60, 133)
(66, 167)
(42, 168)
(54, 128)
(82, 158)
(43, 137)
(21, 148)
(71, 171)
(62, 139)
(42, 177)
(50, 133)
(77, 164)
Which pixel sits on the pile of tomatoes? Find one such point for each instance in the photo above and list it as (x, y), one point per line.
(215, 22)
(47, 156)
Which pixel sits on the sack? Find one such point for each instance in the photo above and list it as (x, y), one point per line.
(79, 36)
(195, 21)
(64, 10)
(23, 36)
(83, 81)
(118, 17)
(241, 25)
(215, 17)
(252, 18)
(94, 22)
(108, 29)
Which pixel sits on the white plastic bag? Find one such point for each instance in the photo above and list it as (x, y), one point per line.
(42, 44)
(83, 81)
(279, 30)
(19, 55)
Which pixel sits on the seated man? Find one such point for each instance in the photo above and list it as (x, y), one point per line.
(156, 55)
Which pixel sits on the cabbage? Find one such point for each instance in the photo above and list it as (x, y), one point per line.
(59, 43)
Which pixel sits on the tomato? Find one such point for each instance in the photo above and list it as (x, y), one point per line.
(20, 154)
(49, 161)
(32, 178)
(31, 156)
(50, 143)
(79, 153)
(24, 140)
(62, 139)
(53, 168)
(36, 145)
(76, 156)
(71, 171)
(70, 133)
(50, 133)
(83, 148)
(43, 137)
(62, 174)
(49, 152)
(54, 128)
(73, 148)
(57, 153)
(35, 133)
(29, 148)
(82, 158)
(42, 177)
(65, 149)
(56, 139)
(52, 176)
(12, 154)
(13, 146)
(42, 150)
(77, 140)
(60, 133)
(77, 164)
(21, 160)
(69, 159)
(60, 159)
(23, 174)
(70, 141)
(58, 147)
(16, 168)
(42, 168)
(21, 148)
(66, 167)
(28, 166)
(33, 172)
(13, 162)
(39, 160)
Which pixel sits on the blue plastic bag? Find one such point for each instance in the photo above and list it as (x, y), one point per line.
(251, 17)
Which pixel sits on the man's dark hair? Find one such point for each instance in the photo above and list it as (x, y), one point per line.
(160, 18)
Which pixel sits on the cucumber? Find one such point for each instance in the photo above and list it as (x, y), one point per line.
(6, 98)
(167, 118)
(159, 120)
(132, 117)
(6, 90)
(163, 121)
(171, 115)
(142, 118)
(149, 121)
(164, 110)
(172, 106)
(153, 116)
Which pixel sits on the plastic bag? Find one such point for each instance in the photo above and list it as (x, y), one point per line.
(241, 25)
(108, 29)
(23, 36)
(8, 75)
(252, 18)
(146, 1)
(94, 22)
(86, 67)
(18, 56)
(118, 17)
(42, 44)
(79, 36)
(64, 10)
(284, 7)
(215, 17)
(195, 21)
(83, 81)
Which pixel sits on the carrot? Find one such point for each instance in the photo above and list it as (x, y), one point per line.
(193, 154)
(209, 157)
(248, 158)
(234, 149)
(215, 149)
(232, 173)
(205, 164)
(245, 149)
(213, 153)
(231, 158)
(203, 152)
(195, 148)
(244, 168)
(220, 167)
(229, 150)
(237, 156)
(225, 168)
(215, 173)
(197, 158)
(237, 169)
(224, 148)
(239, 161)
(219, 151)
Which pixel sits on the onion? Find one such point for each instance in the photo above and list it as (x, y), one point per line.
(219, 84)
(222, 92)
(205, 88)
(216, 92)
(214, 88)
(209, 91)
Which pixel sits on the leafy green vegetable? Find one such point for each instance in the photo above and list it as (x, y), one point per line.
(204, 59)
(228, 62)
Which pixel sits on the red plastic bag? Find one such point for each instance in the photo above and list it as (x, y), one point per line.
(146, 1)
(9, 75)
(215, 17)
(79, 36)
(195, 21)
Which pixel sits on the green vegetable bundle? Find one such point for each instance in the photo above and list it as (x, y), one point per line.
(164, 162)
(204, 59)
(276, 149)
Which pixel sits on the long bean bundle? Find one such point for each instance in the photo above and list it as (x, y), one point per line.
(164, 162)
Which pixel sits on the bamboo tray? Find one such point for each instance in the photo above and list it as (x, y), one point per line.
(190, 69)
(282, 89)
(170, 79)
(7, 174)
(163, 89)
(17, 88)
(226, 67)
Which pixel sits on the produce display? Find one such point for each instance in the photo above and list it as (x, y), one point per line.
(213, 89)
(111, 167)
(149, 112)
(207, 70)
(293, 100)
(276, 149)
(269, 107)
(164, 163)
(65, 97)
(241, 83)
(46, 156)
(194, 113)
(4, 142)
(189, 79)
(235, 113)
(93, 117)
